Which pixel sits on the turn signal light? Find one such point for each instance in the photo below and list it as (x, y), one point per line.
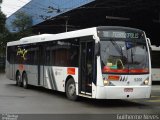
(112, 77)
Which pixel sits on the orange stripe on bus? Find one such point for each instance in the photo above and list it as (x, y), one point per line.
(112, 77)
(71, 71)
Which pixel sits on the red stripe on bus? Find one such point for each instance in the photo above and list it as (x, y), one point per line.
(138, 70)
(107, 69)
(71, 71)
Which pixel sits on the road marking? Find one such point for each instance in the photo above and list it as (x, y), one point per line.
(152, 100)
(154, 96)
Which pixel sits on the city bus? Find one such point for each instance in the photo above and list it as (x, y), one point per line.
(107, 62)
(155, 62)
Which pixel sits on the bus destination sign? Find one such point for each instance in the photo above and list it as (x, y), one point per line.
(120, 34)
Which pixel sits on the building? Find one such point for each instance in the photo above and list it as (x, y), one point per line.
(53, 16)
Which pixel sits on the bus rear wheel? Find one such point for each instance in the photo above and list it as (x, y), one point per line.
(18, 79)
(25, 80)
(71, 89)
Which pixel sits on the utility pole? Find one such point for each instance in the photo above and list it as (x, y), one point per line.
(66, 25)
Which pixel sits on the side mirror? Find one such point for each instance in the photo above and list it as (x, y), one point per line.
(149, 44)
(149, 41)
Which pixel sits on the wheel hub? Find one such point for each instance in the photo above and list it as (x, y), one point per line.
(71, 89)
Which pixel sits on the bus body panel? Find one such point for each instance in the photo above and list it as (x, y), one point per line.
(116, 89)
(118, 92)
(55, 77)
(127, 80)
(32, 74)
(155, 58)
(155, 74)
(99, 70)
(7, 70)
(10, 71)
(94, 90)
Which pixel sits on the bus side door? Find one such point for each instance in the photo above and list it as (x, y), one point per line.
(86, 66)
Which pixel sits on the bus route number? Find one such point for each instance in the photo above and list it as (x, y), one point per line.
(138, 79)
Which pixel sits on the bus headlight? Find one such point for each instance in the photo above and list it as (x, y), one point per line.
(105, 81)
(146, 82)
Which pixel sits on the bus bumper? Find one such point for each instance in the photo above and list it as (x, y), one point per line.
(123, 92)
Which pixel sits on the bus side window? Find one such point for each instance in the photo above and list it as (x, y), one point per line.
(11, 54)
(47, 55)
(74, 56)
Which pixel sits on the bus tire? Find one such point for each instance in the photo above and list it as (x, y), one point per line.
(18, 79)
(25, 80)
(71, 89)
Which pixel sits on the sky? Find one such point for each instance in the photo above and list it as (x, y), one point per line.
(8, 7)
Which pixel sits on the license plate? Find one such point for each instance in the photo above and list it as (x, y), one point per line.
(128, 89)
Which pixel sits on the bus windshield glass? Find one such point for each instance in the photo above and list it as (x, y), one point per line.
(123, 52)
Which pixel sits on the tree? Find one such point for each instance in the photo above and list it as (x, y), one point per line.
(2, 22)
(3, 31)
(22, 21)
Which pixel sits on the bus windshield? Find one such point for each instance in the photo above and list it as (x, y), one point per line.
(124, 56)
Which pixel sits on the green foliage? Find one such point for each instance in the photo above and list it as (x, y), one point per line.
(2, 22)
(22, 21)
(3, 31)
(3, 42)
(8, 37)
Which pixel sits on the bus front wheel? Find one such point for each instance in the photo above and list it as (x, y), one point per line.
(71, 89)
(25, 80)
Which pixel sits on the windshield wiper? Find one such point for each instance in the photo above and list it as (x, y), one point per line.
(117, 47)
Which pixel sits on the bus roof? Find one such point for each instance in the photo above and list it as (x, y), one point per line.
(51, 37)
(65, 35)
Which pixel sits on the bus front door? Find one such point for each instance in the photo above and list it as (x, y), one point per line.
(86, 67)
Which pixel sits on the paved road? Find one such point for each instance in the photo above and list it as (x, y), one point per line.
(35, 100)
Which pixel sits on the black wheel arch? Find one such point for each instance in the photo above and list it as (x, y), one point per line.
(68, 78)
(24, 72)
(17, 72)
(25, 85)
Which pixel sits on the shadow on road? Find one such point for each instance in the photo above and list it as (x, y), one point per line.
(91, 102)
(111, 103)
(41, 90)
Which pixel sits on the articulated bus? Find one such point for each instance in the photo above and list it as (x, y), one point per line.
(155, 61)
(107, 62)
